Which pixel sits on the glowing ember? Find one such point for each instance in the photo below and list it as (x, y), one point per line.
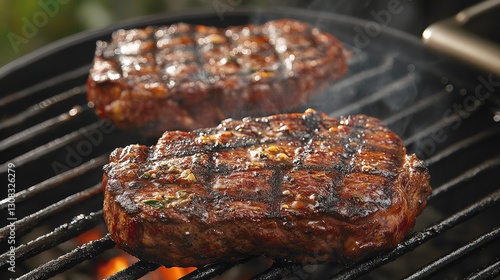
(112, 266)
(90, 235)
(173, 272)
(122, 260)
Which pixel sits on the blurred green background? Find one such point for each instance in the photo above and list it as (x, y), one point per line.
(26, 25)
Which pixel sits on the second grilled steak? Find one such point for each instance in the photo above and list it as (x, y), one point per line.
(191, 76)
(300, 187)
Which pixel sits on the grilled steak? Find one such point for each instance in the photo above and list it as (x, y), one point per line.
(191, 76)
(300, 187)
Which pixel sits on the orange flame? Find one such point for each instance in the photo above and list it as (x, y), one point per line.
(172, 273)
(90, 235)
(123, 260)
(112, 266)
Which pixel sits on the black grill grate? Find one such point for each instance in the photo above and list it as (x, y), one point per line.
(58, 147)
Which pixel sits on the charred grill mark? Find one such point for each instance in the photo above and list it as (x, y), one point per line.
(312, 121)
(190, 150)
(276, 183)
(330, 204)
(154, 51)
(204, 73)
(387, 174)
(209, 174)
(205, 169)
(113, 56)
(281, 71)
(220, 169)
(347, 134)
(197, 53)
(125, 199)
(350, 146)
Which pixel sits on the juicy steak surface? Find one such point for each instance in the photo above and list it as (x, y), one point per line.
(300, 187)
(186, 76)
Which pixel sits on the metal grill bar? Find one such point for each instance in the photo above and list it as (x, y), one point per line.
(489, 272)
(357, 56)
(42, 127)
(67, 261)
(465, 176)
(416, 107)
(140, 268)
(361, 76)
(277, 270)
(440, 124)
(50, 146)
(41, 106)
(56, 80)
(393, 87)
(35, 219)
(462, 252)
(134, 271)
(59, 235)
(465, 143)
(209, 271)
(418, 238)
(57, 180)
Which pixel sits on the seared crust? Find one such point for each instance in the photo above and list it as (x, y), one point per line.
(192, 76)
(300, 187)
